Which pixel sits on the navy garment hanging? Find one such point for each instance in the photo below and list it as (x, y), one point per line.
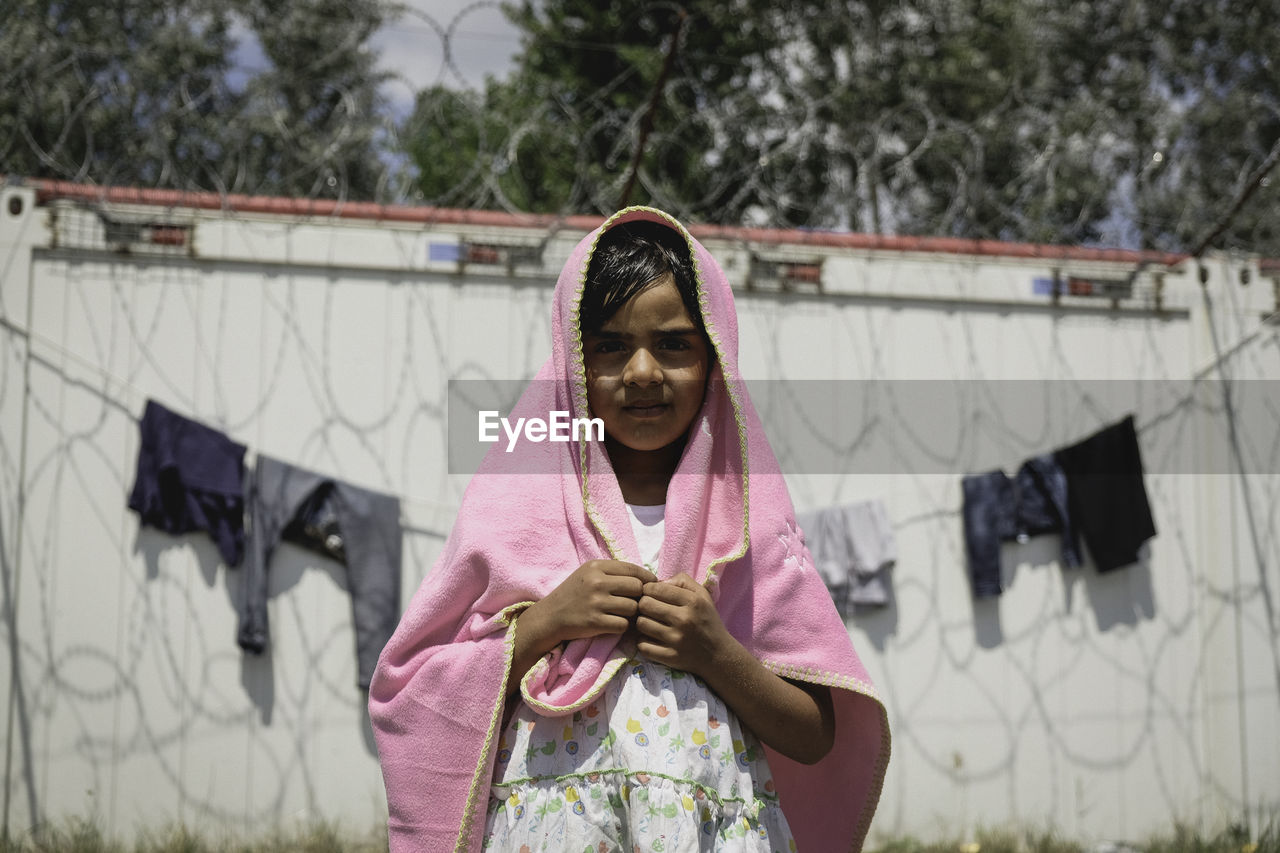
(1044, 505)
(1106, 494)
(989, 511)
(998, 509)
(190, 477)
(340, 520)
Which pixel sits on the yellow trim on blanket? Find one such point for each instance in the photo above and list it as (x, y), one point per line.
(866, 690)
(882, 764)
(713, 334)
(823, 677)
(578, 370)
(509, 616)
(606, 675)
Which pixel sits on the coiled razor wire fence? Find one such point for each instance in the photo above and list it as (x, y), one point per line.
(1129, 123)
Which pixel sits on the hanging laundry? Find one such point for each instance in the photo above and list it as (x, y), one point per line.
(853, 548)
(1106, 494)
(989, 511)
(351, 524)
(1043, 505)
(316, 526)
(998, 509)
(190, 477)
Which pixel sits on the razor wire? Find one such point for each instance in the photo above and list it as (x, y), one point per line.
(917, 117)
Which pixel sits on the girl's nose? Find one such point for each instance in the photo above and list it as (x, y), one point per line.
(642, 369)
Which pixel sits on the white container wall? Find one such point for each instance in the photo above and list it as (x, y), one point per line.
(1107, 706)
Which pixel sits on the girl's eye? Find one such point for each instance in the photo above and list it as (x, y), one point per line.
(675, 344)
(607, 347)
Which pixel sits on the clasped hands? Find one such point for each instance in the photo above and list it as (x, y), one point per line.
(675, 621)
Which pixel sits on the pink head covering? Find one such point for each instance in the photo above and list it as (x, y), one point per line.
(530, 518)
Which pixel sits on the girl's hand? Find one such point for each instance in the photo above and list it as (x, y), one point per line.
(680, 626)
(683, 630)
(600, 597)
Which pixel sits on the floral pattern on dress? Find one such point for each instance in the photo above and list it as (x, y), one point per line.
(657, 764)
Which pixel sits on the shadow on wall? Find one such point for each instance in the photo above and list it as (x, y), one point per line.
(18, 700)
(1123, 596)
(878, 622)
(288, 565)
(1120, 597)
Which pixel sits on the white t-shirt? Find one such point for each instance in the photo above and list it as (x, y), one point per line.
(647, 523)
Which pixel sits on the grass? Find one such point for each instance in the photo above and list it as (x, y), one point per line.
(1182, 839)
(81, 836)
(988, 841)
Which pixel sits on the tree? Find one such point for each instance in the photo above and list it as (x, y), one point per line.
(311, 123)
(1126, 122)
(1001, 119)
(134, 93)
(1223, 60)
(561, 134)
(500, 149)
(140, 92)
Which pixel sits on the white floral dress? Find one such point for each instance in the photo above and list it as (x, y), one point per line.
(657, 763)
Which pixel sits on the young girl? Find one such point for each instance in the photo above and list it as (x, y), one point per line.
(673, 674)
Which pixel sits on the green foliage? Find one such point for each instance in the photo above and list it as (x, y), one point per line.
(1137, 123)
(988, 841)
(132, 92)
(1134, 122)
(468, 155)
(80, 836)
(77, 836)
(311, 120)
(1182, 839)
(1231, 839)
(561, 134)
(140, 92)
(1224, 74)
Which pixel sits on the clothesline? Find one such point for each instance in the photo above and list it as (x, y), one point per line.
(128, 407)
(1092, 490)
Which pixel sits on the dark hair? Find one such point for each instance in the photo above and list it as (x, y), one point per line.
(628, 259)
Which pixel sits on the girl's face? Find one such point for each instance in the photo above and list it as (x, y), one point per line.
(647, 369)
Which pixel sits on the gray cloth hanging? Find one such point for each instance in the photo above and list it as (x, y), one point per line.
(352, 524)
(853, 549)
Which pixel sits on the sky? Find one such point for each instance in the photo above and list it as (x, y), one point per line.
(413, 46)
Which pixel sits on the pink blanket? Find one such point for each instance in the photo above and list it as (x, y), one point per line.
(531, 517)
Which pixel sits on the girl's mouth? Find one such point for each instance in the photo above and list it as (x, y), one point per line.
(649, 410)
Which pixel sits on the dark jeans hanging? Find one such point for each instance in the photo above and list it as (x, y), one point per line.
(346, 522)
(999, 509)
